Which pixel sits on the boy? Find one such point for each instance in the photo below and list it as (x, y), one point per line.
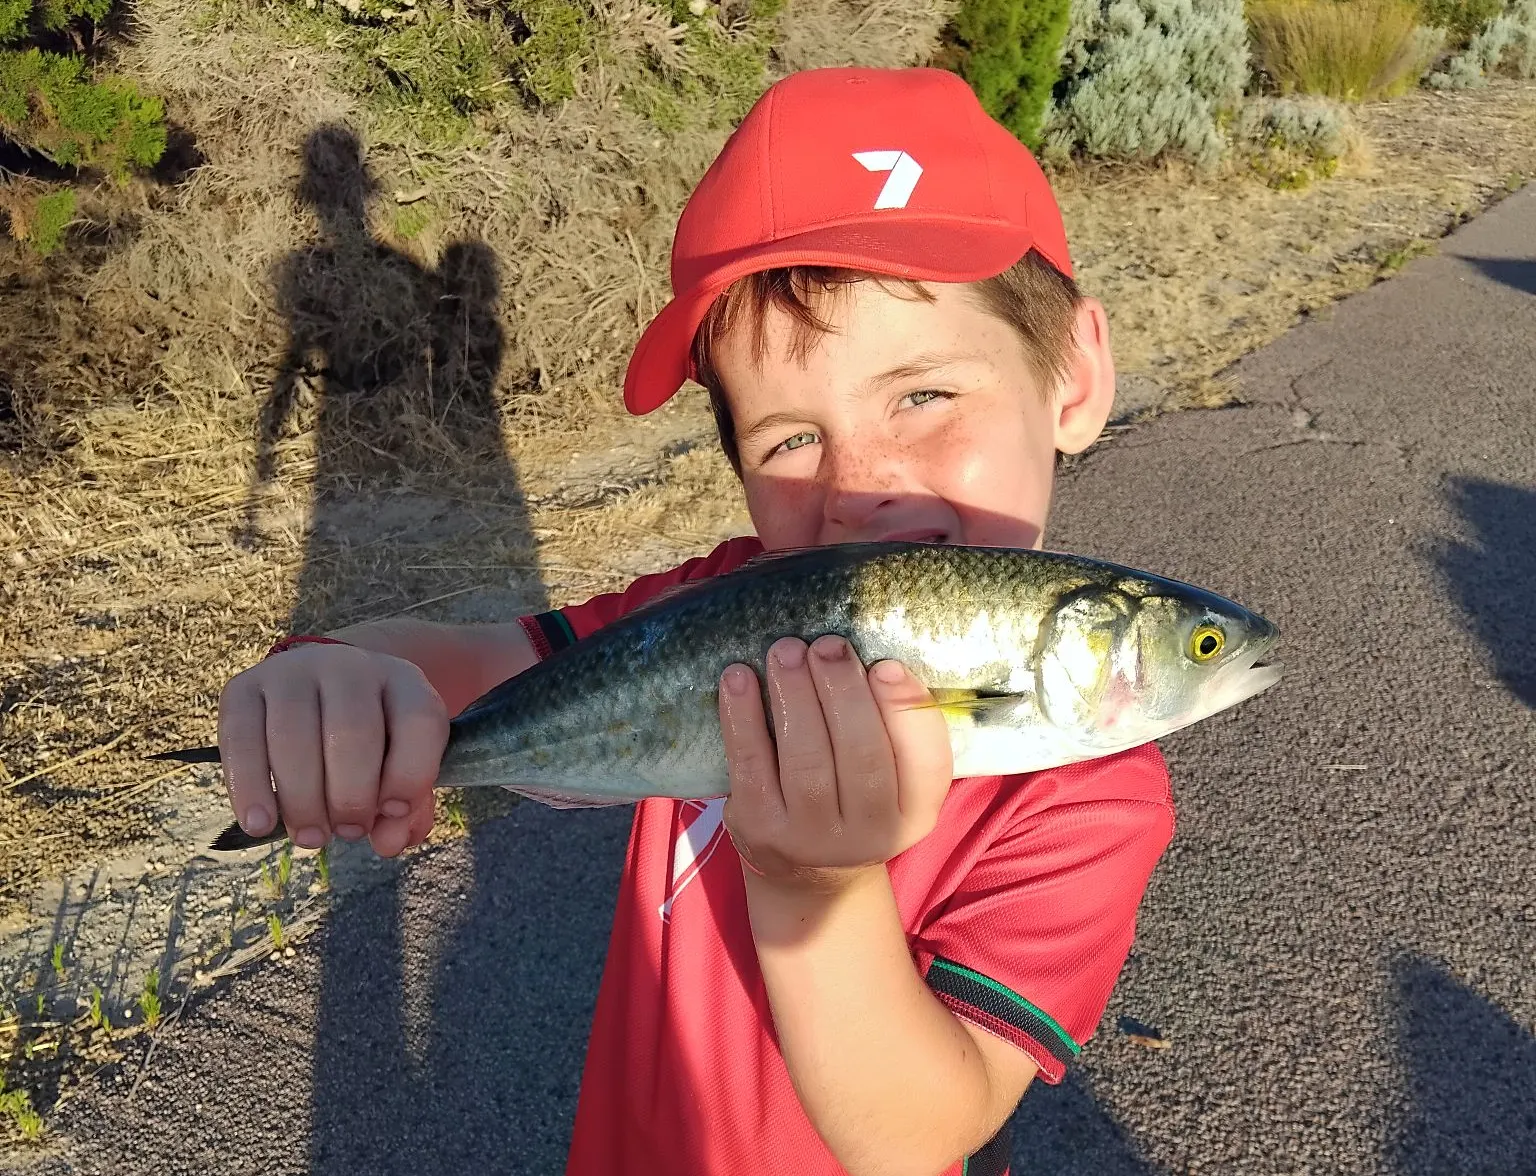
(847, 965)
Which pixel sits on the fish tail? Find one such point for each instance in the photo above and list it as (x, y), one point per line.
(190, 755)
(235, 838)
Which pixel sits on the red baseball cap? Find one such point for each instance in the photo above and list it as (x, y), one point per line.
(891, 171)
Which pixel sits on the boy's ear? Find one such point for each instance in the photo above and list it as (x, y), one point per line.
(1085, 396)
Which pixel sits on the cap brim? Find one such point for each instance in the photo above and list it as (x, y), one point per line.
(926, 249)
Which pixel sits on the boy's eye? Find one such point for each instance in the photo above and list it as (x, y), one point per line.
(797, 440)
(924, 396)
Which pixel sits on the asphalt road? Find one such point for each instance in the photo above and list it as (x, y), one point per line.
(1340, 946)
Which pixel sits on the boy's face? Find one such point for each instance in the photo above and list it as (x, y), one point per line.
(912, 420)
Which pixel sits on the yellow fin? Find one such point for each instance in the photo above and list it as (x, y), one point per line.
(968, 703)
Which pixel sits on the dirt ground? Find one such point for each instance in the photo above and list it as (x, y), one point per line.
(143, 568)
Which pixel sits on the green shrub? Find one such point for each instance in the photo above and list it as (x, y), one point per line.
(557, 35)
(1293, 141)
(1314, 127)
(52, 215)
(437, 65)
(719, 73)
(21, 19)
(1461, 19)
(48, 105)
(1009, 52)
(1346, 49)
(1145, 78)
(1508, 41)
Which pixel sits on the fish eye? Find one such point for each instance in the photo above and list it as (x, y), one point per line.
(1206, 642)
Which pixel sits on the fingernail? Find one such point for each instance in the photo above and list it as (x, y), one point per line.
(350, 832)
(257, 821)
(890, 672)
(791, 654)
(395, 808)
(831, 648)
(736, 679)
(310, 837)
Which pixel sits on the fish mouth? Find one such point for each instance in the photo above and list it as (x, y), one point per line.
(1251, 673)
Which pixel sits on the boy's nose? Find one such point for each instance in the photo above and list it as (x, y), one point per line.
(858, 486)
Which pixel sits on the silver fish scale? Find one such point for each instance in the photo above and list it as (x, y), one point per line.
(636, 704)
(632, 710)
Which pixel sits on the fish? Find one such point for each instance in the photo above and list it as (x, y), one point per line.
(1036, 659)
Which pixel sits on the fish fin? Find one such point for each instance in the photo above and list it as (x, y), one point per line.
(565, 800)
(190, 755)
(235, 838)
(968, 702)
(849, 551)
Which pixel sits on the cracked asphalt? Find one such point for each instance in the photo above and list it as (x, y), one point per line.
(1337, 950)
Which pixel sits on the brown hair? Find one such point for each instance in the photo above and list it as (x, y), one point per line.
(1033, 297)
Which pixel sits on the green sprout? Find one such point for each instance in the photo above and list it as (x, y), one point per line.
(98, 1015)
(17, 1105)
(323, 865)
(58, 959)
(275, 929)
(149, 999)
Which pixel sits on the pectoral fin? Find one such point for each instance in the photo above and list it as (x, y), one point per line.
(972, 706)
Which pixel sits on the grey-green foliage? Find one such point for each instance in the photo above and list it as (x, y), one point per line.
(1314, 127)
(1507, 41)
(1145, 78)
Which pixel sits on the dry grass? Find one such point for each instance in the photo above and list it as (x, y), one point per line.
(1348, 49)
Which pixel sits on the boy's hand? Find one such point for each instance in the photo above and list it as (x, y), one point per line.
(351, 739)
(858, 774)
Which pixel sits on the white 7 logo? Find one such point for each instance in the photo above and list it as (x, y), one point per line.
(905, 172)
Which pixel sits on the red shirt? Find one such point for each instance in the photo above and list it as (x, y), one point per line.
(1019, 908)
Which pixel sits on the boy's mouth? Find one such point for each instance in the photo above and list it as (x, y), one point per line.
(914, 537)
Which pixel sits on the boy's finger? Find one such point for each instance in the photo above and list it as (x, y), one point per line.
(807, 770)
(243, 753)
(298, 764)
(393, 835)
(919, 740)
(352, 747)
(756, 801)
(416, 723)
(421, 819)
(861, 748)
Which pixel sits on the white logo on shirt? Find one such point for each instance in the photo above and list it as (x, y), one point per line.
(701, 834)
(905, 172)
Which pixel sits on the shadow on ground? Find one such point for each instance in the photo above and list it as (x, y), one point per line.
(394, 364)
(1478, 1113)
(1514, 272)
(1061, 1129)
(486, 1079)
(1491, 573)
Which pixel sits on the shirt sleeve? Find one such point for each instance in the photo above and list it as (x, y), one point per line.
(1031, 943)
(552, 631)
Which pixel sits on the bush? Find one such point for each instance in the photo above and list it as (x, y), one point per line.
(1009, 51)
(1461, 19)
(1346, 49)
(36, 215)
(1293, 141)
(717, 70)
(1508, 41)
(48, 106)
(1144, 78)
